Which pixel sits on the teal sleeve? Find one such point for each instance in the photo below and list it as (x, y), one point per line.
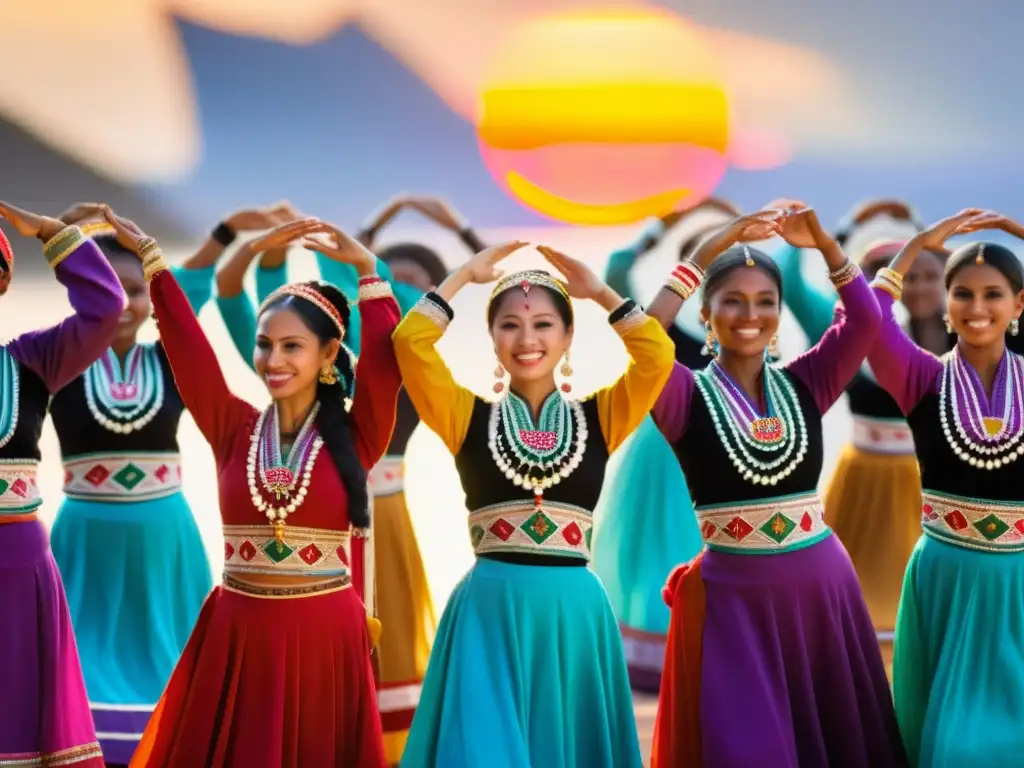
(197, 285)
(239, 317)
(269, 280)
(346, 279)
(812, 307)
(618, 274)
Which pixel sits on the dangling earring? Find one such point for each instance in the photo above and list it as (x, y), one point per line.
(709, 341)
(772, 351)
(328, 374)
(499, 374)
(566, 371)
(945, 320)
(1014, 327)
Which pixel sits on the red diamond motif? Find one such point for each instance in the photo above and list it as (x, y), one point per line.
(708, 529)
(97, 475)
(926, 512)
(342, 554)
(738, 528)
(502, 528)
(806, 522)
(572, 534)
(388, 475)
(228, 550)
(956, 520)
(310, 554)
(1019, 525)
(247, 551)
(68, 476)
(161, 473)
(20, 487)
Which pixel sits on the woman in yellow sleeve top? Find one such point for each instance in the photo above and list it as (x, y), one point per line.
(527, 667)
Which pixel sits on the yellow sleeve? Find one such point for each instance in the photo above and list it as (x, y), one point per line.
(442, 404)
(622, 406)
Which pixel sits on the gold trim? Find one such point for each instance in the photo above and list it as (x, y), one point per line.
(433, 312)
(989, 526)
(68, 756)
(285, 591)
(634, 318)
(739, 527)
(62, 245)
(153, 264)
(378, 289)
(254, 558)
(515, 514)
(79, 486)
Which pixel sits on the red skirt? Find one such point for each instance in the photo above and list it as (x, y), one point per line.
(274, 683)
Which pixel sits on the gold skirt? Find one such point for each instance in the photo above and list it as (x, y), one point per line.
(407, 618)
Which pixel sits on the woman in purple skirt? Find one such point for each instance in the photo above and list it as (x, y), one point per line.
(771, 658)
(44, 712)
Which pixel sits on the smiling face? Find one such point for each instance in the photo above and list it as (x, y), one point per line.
(981, 303)
(744, 311)
(139, 308)
(288, 355)
(530, 335)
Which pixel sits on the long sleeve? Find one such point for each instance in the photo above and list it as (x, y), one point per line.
(239, 318)
(345, 279)
(63, 351)
(812, 307)
(904, 370)
(197, 373)
(444, 406)
(378, 380)
(269, 279)
(672, 409)
(622, 406)
(197, 285)
(827, 367)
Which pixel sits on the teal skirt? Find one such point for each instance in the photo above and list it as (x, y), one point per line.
(645, 526)
(958, 677)
(136, 575)
(526, 670)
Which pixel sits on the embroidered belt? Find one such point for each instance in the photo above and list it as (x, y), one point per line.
(882, 435)
(286, 591)
(992, 526)
(302, 552)
(19, 492)
(388, 476)
(122, 476)
(775, 525)
(518, 526)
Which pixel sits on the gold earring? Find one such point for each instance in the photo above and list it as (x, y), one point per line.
(709, 341)
(949, 326)
(773, 347)
(328, 374)
(566, 371)
(499, 374)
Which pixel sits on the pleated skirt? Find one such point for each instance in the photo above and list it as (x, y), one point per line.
(526, 670)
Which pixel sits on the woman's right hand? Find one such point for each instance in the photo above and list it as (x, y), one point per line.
(749, 228)
(255, 219)
(283, 235)
(934, 237)
(31, 224)
(482, 268)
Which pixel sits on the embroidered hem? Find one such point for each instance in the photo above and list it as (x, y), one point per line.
(68, 756)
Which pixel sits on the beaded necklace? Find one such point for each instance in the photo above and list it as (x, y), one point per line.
(10, 393)
(981, 440)
(285, 475)
(537, 456)
(125, 400)
(752, 441)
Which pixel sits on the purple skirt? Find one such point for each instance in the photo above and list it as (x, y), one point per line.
(46, 712)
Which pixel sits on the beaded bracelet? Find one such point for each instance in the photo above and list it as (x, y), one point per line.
(892, 276)
(884, 284)
(685, 279)
(845, 275)
(152, 262)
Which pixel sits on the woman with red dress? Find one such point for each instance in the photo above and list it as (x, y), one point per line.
(278, 670)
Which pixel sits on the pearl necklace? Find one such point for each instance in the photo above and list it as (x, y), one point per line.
(10, 382)
(983, 454)
(537, 459)
(737, 438)
(306, 453)
(134, 402)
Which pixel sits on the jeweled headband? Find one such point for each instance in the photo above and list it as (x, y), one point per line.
(313, 296)
(525, 280)
(6, 252)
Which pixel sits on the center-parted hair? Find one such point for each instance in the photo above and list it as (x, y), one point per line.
(990, 255)
(532, 279)
(737, 258)
(332, 420)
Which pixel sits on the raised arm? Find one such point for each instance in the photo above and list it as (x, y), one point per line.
(812, 306)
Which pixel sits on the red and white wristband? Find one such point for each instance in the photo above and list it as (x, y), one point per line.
(685, 279)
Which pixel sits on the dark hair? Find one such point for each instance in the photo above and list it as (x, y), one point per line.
(426, 258)
(114, 250)
(994, 255)
(332, 421)
(562, 305)
(733, 259)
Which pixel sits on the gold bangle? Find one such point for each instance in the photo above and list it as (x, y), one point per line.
(844, 275)
(884, 284)
(62, 245)
(153, 264)
(891, 275)
(679, 288)
(146, 246)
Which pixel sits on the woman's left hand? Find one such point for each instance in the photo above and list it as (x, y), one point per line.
(340, 247)
(30, 224)
(799, 225)
(580, 280)
(990, 220)
(127, 233)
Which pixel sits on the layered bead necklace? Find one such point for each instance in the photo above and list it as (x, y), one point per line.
(986, 442)
(10, 393)
(763, 449)
(537, 456)
(125, 400)
(283, 475)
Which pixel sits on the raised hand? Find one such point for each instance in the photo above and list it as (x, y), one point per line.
(254, 219)
(283, 235)
(126, 232)
(990, 220)
(439, 211)
(799, 225)
(482, 268)
(336, 245)
(30, 224)
(934, 237)
(709, 204)
(80, 212)
(580, 280)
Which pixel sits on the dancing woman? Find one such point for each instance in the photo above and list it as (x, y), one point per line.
(770, 637)
(527, 667)
(277, 671)
(957, 679)
(46, 718)
(632, 508)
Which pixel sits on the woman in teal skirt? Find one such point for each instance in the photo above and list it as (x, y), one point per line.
(125, 540)
(957, 677)
(527, 667)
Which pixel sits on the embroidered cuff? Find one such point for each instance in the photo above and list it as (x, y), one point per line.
(372, 287)
(626, 317)
(62, 245)
(153, 264)
(436, 309)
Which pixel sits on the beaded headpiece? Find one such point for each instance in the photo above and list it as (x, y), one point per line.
(747, 257)
(6, 252)
(980, 258)
(525, 280)
(313, 296)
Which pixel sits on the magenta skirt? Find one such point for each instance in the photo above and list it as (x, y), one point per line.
(46, 712)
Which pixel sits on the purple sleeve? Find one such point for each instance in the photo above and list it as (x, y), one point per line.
(63, 351)
(904, 370)
(672, 410)
(828, 366)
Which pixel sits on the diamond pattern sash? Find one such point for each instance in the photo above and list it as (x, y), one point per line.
(775, 525)
(122, 477)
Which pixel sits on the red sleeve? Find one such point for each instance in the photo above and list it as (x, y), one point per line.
(197, 373)
(375, 401)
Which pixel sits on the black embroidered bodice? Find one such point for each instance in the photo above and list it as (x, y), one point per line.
(33, 398)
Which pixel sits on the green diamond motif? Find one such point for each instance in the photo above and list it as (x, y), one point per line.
(991, 527)
(588, 536)
(4, 485)
(277, 552)
(475, 534)
(539, 527)
(129, 476)
(778, 527)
